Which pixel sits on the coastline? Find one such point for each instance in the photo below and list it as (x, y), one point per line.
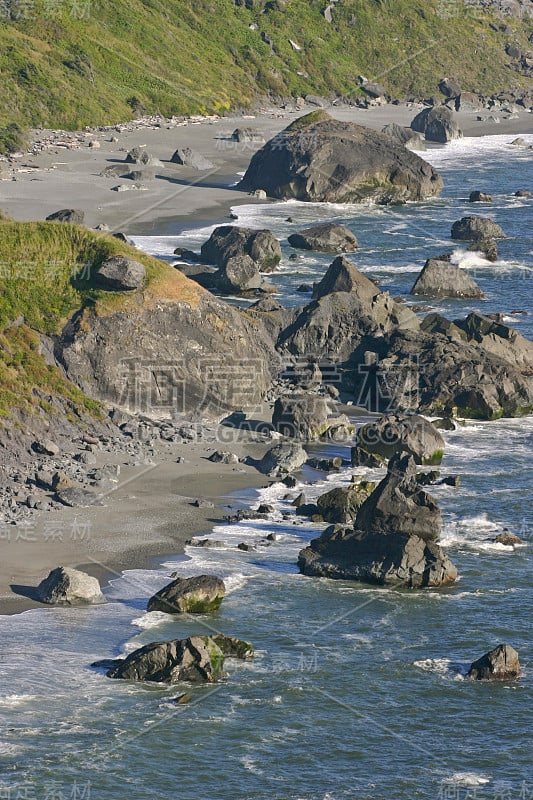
(150, 513)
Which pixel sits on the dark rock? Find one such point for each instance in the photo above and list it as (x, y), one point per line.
(301, 416)
(522, 193)
(187, 157)
(362, 458)
(282, 459)
(232, 647)
(196, 660)
(325, 464)
(342, 504)
(46, 447)
(444, 279)
(319, 159)
(406, 136)
(209, 543)
(498, 339)
(305, 287)
(70, 215)
(299, 501)
(488, 247)
(65, 586)
(342, 276)
(438, 124)
(374, 90)
(245, 547)
(399, 506)
(480, 197)
(265, 508)
(508, 539)
(500, 664)
(450, 87)
(120, 273)
(395, 559)
(394, 434)
(444, 424)
(239, 274)
(75, 497)
(328, 237)
(247, 135)
(201, 502)
(475, 228)
(230, 241)
(202, 594)
(138, 155)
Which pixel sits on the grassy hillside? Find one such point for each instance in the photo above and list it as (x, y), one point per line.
(67, 63)
(45, 276)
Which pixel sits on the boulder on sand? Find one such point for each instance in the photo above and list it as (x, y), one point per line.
(438, 124)
(187, 157)
(320, 159)
(282, 459)
(66, 586)
(301, 416)
(441, 278)
(393, 434)
(472, 229)
(328, 237)
(120, 273)
(198, 659)
(500, 664)
(230, 241)
(201, 594)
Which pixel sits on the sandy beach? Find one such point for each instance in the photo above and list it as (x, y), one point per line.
(151, 511)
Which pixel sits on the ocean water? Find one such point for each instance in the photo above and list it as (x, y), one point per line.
(355, 691)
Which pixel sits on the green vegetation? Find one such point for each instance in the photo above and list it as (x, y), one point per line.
(72, 63)
(46, 274)
(12, 138)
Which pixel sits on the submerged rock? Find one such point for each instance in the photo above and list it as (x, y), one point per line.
(320, 159)
(500, 664)
(66, 586)
(202, 594)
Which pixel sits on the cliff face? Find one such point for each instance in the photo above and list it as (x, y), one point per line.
(66, 69)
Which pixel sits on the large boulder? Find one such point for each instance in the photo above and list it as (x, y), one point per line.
(438, 124)
(500, 664)
(138, 155)
(70, 215)
(239, 274)
(328, 237)
(230, 241)
(199, 659)
(121, 274)
(301, 416)
(282, 459)
(187, 157)
(340, 505)
(399, 506)
(65, 586)
(406, 136)
(320, 159)
(202, 594)
(473, 229)
(441, 278)
(393, 434)
(397, 560)
(342, 276)
(434, 373)
(172, 348)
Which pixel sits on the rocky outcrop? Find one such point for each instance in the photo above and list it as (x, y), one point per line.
(187, 157)
(230, 241)
(65, 586)
(199, 659)
(500, 664)
(342, 276)
(171, 348)
(392, 541)
(399, 505)
(341, 505)
(120, 274)
(282, 459)
(328, 237)
(319, 159)
(473, 229)
(202, 594)
(70, 215)
(498, 339)
(441, 278)
(239, 274)
(394, 434)
(438, 124)
(305, 417)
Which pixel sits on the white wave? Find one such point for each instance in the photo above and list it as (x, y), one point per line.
(14, 700)
(480, 147)
(152, 619)
(468, 779)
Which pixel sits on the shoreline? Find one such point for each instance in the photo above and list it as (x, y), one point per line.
(118, 531)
